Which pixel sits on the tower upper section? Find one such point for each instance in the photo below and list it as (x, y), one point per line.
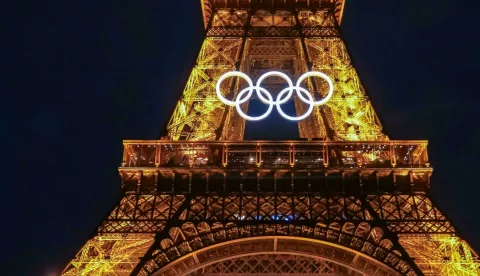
(288, 36)
(209, 5)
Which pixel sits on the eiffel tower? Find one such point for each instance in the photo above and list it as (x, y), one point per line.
(344, 199)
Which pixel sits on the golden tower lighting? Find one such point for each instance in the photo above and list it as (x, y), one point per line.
(343, 200)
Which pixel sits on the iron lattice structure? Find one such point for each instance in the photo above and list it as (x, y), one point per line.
(345, 200)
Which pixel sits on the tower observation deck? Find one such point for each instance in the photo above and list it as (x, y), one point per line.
(344, 199)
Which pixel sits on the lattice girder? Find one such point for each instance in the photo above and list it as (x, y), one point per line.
(270, 264)
(209, 7)
(141, 213)
(361, 238)
(349, 112)
(190, 206)
(414, 213)
(199, 113)
(441, 254)
(109, 254)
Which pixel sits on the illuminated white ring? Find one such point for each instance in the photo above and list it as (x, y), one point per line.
(310, 104)
(283, 76)
(263, 116)
(269, 99)
(233, 74)
(315, 74)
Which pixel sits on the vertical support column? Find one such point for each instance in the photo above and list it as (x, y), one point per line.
(329, 131)
(197, 115)
(225, 155)
(258, 186)
(125, 155)
(122, 180)
(325, 155)
(410, 178)
(292, 185)
(241, 182)
(275, 186)
(291, 154)
(155, 188)
(259, 155)
(224, 185)
(158, 155)
(428, 175)
(393, 159)
(425, 157)
(394, 180)
(309, 176)
(190, 181)
(207, 179)
(221, 132)
(139, 182)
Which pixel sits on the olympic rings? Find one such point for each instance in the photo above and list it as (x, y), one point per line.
(245, 94)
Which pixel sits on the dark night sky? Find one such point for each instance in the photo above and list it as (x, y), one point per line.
(80, 76)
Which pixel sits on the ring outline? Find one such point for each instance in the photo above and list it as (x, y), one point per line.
(280, 98)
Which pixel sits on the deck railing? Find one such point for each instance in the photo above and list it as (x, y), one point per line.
(275, 154)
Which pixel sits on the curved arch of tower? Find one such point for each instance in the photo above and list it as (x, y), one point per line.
(273, 254)
(343, 200)
(276, 264)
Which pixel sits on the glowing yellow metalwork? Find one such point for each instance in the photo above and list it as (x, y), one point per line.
(294, 42)
(208, 7)
(350, 260)
(109, 254)
(199, 112)
(441, 254)
(349, 114)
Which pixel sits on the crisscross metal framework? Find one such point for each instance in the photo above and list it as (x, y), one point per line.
(345, 200)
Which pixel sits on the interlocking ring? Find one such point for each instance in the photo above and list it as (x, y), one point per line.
(265, 96)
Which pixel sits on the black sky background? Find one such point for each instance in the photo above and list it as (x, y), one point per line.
(79, 76)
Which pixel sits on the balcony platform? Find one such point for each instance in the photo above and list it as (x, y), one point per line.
(275, 166)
